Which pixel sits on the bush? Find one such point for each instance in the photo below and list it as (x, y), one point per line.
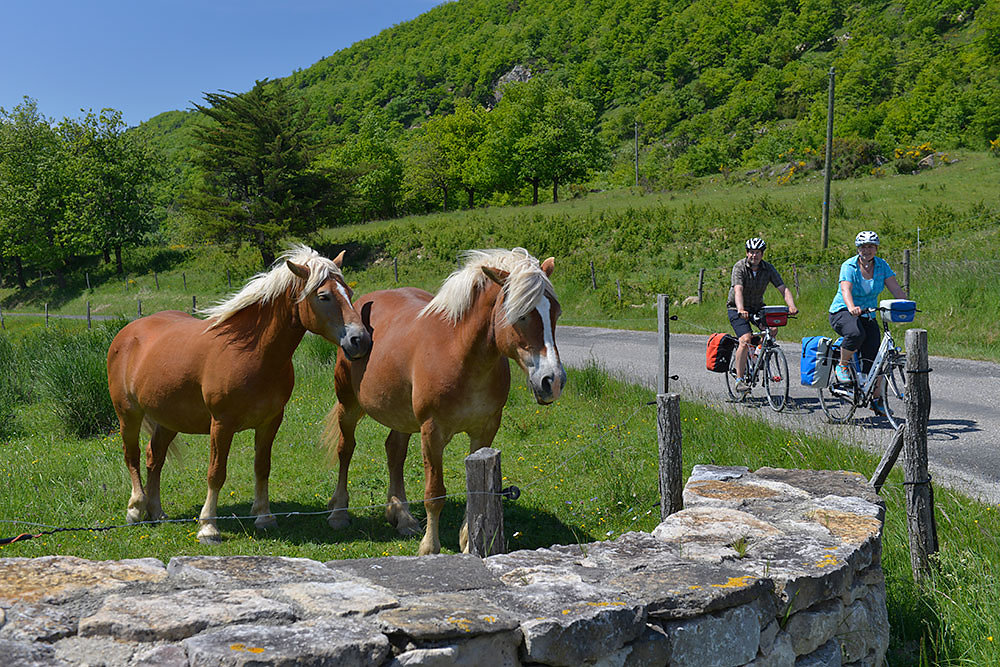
(71, 374)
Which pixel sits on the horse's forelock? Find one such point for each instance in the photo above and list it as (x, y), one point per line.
(524, 287)
(269, 285)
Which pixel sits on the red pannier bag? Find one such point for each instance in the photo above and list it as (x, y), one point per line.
(719, 351)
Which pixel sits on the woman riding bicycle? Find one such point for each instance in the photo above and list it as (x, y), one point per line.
(751, 276)
(862, 279)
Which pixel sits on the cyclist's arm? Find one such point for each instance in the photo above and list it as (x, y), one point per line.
(894, 287)
(789, 301)
(846, 290)
(738, 298)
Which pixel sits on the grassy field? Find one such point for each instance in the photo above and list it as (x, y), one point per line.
(641, 245)
(587, 465)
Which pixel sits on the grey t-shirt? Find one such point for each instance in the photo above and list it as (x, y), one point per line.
(754, 285)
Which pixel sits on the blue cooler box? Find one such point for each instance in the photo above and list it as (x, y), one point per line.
(899, 310)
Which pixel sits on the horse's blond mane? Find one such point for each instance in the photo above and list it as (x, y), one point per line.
(269, 285)
(525, 286)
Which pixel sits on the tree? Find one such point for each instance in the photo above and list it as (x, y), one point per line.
(33, 190)
(258, 183)
(373, 166)
(545, 135)
(114, 173)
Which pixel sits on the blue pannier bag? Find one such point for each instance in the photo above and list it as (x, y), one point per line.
(815, 366)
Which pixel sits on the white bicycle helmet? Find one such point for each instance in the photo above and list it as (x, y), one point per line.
(756, 243)
(866, 237)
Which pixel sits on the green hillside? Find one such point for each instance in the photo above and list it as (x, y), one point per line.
(711, 84)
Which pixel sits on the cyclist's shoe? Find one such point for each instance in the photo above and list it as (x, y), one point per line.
(743, 385)
(878, 407)
(843, 374)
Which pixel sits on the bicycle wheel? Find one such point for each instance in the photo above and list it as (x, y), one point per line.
(894, 392)
(838, 400)
(776, 379)
(730, 378)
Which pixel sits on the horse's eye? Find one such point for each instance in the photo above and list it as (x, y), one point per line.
(323, 296)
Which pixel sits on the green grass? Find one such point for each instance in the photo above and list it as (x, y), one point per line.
(586, 466)
(645, 244)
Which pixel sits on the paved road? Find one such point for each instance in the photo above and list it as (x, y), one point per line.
(964, 428)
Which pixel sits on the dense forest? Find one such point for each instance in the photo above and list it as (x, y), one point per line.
(705, 85)
(489, 102)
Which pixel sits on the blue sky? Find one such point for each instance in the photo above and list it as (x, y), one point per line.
(144, 57)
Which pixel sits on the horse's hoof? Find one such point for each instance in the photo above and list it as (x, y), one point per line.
(266, 523)
(339, 519)
(409, 529)
(205, 537)
(133, 515)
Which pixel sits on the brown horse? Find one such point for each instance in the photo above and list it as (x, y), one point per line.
(173, 373)
(438, 366)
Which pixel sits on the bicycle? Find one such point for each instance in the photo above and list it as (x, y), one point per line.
(840, 400)
(766, 363)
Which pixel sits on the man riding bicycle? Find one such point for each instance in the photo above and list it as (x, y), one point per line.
(751, 276)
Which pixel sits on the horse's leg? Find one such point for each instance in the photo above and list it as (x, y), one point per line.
(397, 509)
(263, 438)
(156, 454)
(432, 442)
(344, 419)
(477, 440)
(221, 439)
(137, 503)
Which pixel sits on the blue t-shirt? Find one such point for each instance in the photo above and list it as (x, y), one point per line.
(864, 292)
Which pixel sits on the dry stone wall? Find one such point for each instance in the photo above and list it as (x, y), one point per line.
(773, 567)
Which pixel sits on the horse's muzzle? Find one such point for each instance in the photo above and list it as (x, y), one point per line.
(549, 386)
(356, 342)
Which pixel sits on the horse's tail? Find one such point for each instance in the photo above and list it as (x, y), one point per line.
(330, 437)
(175, 450)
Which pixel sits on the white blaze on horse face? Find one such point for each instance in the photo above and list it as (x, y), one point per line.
(545, 371)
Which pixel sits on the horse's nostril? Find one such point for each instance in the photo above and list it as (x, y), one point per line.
(547, 384)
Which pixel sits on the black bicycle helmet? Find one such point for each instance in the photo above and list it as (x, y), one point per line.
(756, 243)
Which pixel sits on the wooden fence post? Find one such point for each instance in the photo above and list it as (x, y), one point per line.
(139, 302)
(888, 459)
(395, 269)
(46, 315)
(919, 492)
(184, 277)
(701, 285)
(618, 285)
(663, 319)
(668, 430)
(593, 276)
(2, 325)
(229, 279)
(906, 272)
(484, 504)
(795, 277)
(88, 314)
(194, 304)
(87, 273)
(156, 279)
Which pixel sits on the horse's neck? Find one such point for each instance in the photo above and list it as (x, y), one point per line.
(274, 328)
(475, 331)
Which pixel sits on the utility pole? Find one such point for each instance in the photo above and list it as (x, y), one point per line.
(636, 153)
(829, 162)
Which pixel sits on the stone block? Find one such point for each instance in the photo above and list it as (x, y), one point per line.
(827, 655)
(499, 649)
(420, 574)
(733, 635)
(346, 643)
(440, 616)
(181, 614)
(812, 627)
(61, 578)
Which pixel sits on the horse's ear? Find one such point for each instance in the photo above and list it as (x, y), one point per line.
(549, 265)
(339, 259)
(298, 269)
(496, 275)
